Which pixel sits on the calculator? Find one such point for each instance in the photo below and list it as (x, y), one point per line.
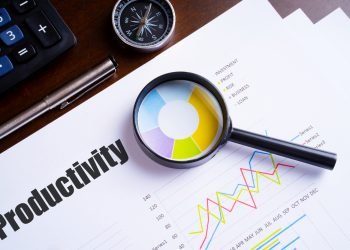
(32, 34)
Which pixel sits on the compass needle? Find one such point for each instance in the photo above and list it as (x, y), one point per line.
(151, 18)
(145, 25)
(148, 29)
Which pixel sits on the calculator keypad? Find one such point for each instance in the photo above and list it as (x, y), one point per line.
(4, 17)
(12, 35)
(5, 65)
(24, 53)
(43, 29)
(31, 35)
(23, 6)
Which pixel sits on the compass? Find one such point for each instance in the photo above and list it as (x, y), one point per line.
(145, 25)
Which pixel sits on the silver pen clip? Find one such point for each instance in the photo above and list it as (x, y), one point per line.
(93, 83)
(63, 96)
(77, 96)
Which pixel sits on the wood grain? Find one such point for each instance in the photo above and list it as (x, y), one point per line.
(90, 21)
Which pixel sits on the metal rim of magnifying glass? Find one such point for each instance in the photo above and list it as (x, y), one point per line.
(197, 79)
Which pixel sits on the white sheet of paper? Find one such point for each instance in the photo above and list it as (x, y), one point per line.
(294, 77)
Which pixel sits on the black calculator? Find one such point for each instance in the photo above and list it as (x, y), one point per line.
(32, 34)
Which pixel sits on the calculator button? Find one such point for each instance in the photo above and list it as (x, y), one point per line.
(5, 65)
(43, 29)
(4, 17)
(12, 35)
(24, 53)
(23, 6)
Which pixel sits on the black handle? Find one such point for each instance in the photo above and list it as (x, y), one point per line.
(294, 151)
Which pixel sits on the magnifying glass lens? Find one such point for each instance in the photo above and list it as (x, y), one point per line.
(180, 120)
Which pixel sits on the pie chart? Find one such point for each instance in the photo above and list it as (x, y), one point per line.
(180, 120)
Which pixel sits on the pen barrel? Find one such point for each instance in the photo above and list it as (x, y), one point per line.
(23, 118)
(95, 76)
(85, 82)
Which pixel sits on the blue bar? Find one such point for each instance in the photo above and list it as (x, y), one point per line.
(281, 232)
(274, 245)
(290, 243)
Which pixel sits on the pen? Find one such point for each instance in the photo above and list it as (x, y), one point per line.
(63, 96)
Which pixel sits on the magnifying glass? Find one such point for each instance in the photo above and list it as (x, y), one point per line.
(181, 121)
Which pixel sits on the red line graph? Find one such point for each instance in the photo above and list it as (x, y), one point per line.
(237, 201)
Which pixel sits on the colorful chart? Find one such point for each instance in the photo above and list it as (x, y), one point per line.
(180, 120)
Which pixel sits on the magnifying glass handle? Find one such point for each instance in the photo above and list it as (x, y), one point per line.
(294, 151)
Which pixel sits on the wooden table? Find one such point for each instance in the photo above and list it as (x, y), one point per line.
(90, 20)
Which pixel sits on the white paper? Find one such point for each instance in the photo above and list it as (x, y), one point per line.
(288, 78)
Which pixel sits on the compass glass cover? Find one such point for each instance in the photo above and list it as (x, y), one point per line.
(144, 22)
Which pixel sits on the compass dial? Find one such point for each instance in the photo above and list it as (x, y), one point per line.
(144, 24)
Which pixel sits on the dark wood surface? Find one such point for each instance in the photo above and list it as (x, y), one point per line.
(90, 21)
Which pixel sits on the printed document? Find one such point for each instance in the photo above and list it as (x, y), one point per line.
(82, 182)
